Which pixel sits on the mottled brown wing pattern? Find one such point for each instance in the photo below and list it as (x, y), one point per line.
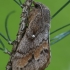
(33, 53)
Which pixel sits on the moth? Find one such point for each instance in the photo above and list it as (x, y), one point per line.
(31, 49)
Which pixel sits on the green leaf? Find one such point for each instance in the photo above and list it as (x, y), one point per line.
(59, 37)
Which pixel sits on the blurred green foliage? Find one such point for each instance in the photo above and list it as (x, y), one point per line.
(60, 52)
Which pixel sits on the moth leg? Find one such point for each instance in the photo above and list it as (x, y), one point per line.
(19, 3)
(9, 66)
(4, 49)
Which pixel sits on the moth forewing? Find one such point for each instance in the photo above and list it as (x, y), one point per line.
(33, 50)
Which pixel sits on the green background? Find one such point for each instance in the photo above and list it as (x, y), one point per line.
(60, 52)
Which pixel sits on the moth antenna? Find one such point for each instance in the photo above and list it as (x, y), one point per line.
(60, 28)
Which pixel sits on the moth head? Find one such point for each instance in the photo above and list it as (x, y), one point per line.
(37, 4)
